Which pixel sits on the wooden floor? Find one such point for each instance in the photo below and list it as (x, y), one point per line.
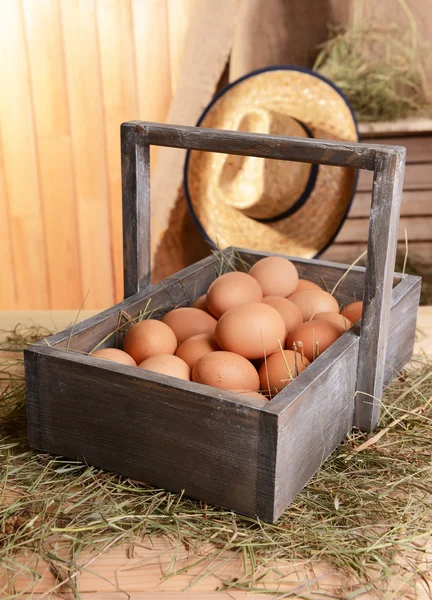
(159, 569)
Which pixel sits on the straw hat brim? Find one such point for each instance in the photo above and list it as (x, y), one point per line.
(322, 107)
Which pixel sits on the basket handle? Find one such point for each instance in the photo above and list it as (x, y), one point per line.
(387, 163)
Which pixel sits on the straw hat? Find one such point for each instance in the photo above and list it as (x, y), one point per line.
(271, 205)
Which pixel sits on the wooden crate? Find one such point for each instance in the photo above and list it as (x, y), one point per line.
(251, 456)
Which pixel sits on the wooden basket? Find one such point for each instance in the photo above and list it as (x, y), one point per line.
(251, 456)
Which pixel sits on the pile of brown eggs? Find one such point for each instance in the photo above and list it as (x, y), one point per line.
(252, 333)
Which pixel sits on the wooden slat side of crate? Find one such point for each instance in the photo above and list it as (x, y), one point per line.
(164, 431)
(318, 413)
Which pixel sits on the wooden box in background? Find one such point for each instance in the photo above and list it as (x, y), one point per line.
(250, 456)
(416, 208)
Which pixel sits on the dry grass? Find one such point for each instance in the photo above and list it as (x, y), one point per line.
(380, 68)
(366, 511)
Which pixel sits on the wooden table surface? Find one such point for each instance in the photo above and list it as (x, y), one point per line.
(149, 572)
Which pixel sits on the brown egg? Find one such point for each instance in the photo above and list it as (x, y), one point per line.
(196, 346)
(280, 369)
(167, 364)
(287, 310)
(201, 303)
(314, 337)
(188, 321)
(353, 311)
(276, 275)
(114, 355)
(249, 394)
(313, 302)
(252, 330)
(225, 370)
(305, 284)
(230, 290)
(334, 318)
(149, 338)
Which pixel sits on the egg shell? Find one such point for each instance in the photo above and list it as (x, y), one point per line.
(312, 302)
(201, 303)
(287, 310)
(196, 346)
(167, 364)
(188, 321)
(252, 330)
(230, 290)
(225, 370)
(334, 318)
(309, 334)
(249, 394)
(280, 369)
(353, 311)
(276, 275)
(305, 284)
(114, 355)
(149, 338)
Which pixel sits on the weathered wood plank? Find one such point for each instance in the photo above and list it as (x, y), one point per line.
(414, 202)
(33, 399)
(417, 177)
(386, 200)
(315, 423)
(346, 154)
(160, 430)
(356, 229)
(314, 409)
(136, 212)
(347, 253)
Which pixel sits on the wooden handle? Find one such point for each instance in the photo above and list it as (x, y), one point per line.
(136, 211)
(387, 162)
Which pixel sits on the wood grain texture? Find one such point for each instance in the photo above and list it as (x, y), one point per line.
(418, 228)
(419, 251)
(402, 327)
(20, 163)
(7, 275)
(119, 93)
(136, 212)
(315, 418)
(150, 19)
(414, 203)
(89, 153)
(418, 176)
(179, 19)
(182, 433)
(54, 151)
(336, 153)
(386, 200)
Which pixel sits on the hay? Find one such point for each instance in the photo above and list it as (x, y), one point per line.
(367, 511)
(380, 68)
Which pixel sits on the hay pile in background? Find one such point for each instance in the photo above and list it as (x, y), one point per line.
(367, 511)
(379, 68)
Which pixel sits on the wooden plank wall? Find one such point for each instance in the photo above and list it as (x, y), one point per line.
(71, 72)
